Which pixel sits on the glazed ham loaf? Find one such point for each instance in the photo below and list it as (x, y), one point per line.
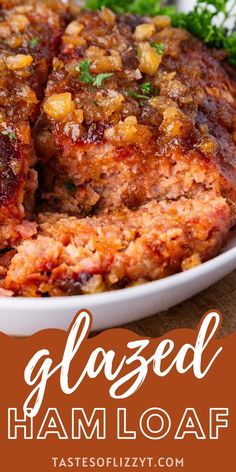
(136, 149)
(135, 110)
(29, 37)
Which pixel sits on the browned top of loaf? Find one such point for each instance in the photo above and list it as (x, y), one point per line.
(55, 5)
(107, 135)
(29, 36)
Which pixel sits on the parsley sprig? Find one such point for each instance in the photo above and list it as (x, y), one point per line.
(100, 78)
(146, 89)
(34, 42)
(140, 7)
(159, 47)
(83, 68)
(209, 21)
(87, 78)
(132, 93)
(10, 134)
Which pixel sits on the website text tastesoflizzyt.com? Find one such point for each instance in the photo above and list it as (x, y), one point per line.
(118, 462)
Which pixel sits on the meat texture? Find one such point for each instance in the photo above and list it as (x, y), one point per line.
(75, 256)
(29, 37)
(136, 142)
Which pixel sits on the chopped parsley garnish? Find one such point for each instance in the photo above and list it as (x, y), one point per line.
(33, 43)
(70, 186)
(146, 88)
(31, 69)
(9, 133)
(138, 96)
(83, 68)
(159, 47)
(87, 78)
(100, 78)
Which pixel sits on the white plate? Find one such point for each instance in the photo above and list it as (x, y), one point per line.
(25, 316)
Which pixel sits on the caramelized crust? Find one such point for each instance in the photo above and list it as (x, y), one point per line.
(29, 36)
(57, 6)
(160, 125)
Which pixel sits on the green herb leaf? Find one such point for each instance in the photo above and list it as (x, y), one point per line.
(220, 5)
(100, 78)
(34, 42)
(160, 48)
(83, 68)
(146, 88)
(201, 21)
(138, 96)
(31, 69)
(230, 47)
(9, 133)
(139, 7)
(87, 78)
